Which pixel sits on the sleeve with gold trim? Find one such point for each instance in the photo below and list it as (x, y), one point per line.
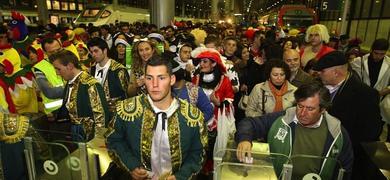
(192, 164)
(99, 105)
(128, 117)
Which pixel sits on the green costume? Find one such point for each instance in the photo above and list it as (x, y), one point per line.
(115, 83)
(13, 128)
(87, 107)
(131, 132)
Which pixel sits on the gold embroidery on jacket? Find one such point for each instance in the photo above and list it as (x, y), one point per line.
(174, 141)
(147, 136)
(130, 109)
(13, 128)
(192, 114)
(97, 108)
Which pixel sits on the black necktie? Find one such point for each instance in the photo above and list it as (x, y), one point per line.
(163, 118)
(100, 73)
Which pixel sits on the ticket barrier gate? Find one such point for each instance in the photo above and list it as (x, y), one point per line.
(59, 158)
(228, 166)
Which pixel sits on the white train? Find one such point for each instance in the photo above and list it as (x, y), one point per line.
(100, 14)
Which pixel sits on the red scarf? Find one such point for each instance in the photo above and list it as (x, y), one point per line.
(278, 94)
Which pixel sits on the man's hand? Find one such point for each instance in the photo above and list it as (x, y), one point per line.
(139, 173)
(190, 67)
(140, 81)
(259, 60)
(244, 88)
(244, 149)
(384, 92)
(214, 99)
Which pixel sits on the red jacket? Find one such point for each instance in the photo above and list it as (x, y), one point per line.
(223, 91)
(324, 50)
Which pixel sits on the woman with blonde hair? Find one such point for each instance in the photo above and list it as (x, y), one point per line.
(142, 51)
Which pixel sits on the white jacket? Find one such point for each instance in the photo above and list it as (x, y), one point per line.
(360, 65)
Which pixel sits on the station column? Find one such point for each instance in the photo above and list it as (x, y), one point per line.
(214, 11)
(43, 12)
(162, 12)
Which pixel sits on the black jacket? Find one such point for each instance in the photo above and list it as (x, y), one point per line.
(356, 105)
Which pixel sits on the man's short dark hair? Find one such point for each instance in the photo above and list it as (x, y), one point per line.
(277, 63)
(310, 90)
(49, 40)
(211, 39)
(106, 27)
(124, 24)
(169, 27)
(99, 42)
(65, 57)
(157, 60)
(380, 44)
(230, 38)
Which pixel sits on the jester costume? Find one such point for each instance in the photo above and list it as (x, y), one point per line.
(85, 106)
(19, 81)
(12, 130)
(6, 103)
(20, 36)
(132, 137)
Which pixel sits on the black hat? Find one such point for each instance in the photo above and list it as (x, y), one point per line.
(344, 37)
(334, 58)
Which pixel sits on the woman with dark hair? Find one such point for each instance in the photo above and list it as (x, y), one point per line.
(118, 52)
(142, 51)
(273, 95)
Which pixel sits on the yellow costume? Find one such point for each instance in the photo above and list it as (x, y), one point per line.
(19, 81)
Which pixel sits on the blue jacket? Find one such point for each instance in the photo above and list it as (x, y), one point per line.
(196, 96)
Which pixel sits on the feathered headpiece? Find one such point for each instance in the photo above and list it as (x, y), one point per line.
(18, 26)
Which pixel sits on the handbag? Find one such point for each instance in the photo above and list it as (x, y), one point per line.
(243, 101)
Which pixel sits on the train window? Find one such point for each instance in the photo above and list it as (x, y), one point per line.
(91, 12)
(105, 14)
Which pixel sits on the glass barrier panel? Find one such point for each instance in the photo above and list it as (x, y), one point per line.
(315, 167)
(260, 166)
(51, 162)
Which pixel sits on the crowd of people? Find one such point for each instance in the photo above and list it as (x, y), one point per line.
(164, 97)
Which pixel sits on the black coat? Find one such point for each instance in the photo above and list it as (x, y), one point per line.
(356, 105)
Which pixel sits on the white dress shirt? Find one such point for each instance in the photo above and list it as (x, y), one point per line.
(161, 154)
